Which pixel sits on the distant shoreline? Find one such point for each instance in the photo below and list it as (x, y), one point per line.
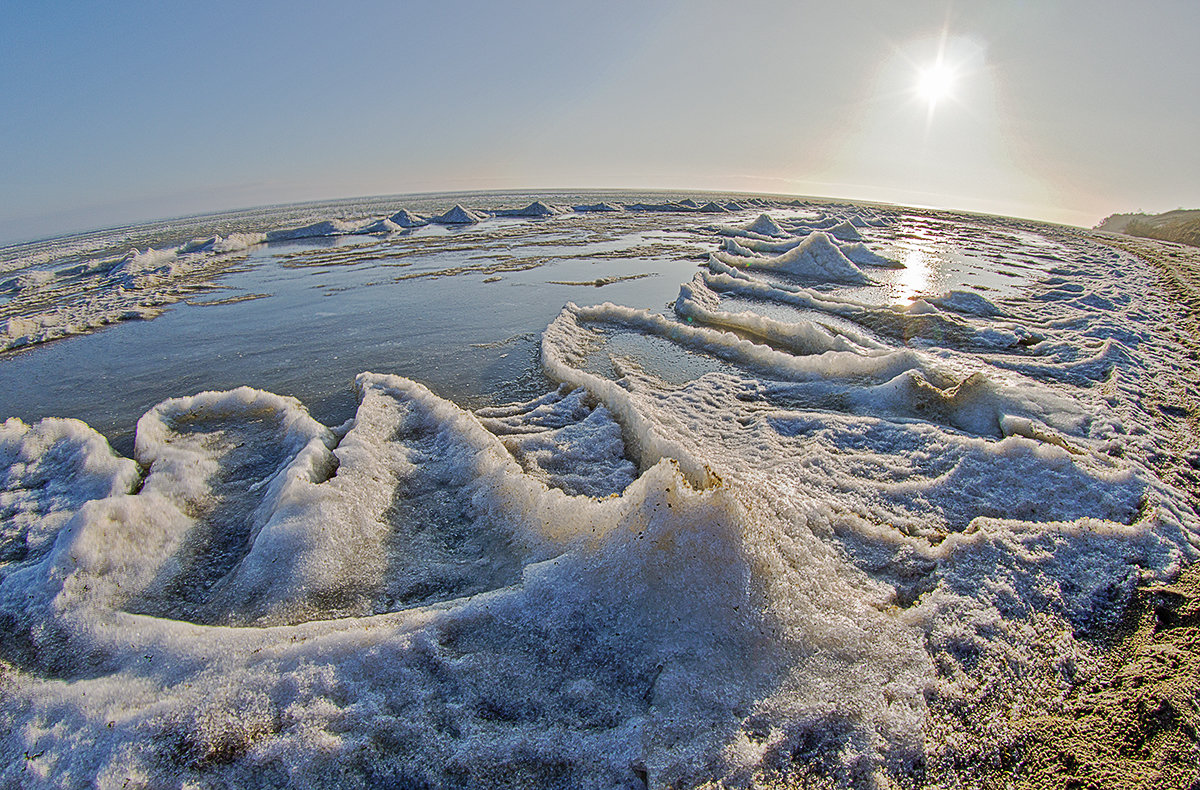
(1181, 226)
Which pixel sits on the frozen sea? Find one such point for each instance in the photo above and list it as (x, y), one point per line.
(574, 490)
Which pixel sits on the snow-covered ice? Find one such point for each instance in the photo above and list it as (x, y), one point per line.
(790, 520)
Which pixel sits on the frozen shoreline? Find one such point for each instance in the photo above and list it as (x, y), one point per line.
(783, 530)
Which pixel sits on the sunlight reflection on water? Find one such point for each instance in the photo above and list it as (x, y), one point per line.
(914, 278)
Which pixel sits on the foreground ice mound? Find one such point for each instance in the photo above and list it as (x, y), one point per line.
(857, 252)
(816, 258)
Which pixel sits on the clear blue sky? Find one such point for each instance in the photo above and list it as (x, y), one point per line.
(1066, 111)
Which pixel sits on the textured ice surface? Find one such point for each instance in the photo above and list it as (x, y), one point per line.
(785, 525)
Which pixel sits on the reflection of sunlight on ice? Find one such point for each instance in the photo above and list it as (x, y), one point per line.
(913, 278)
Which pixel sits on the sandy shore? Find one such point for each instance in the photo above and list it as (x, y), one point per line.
(1136, 724)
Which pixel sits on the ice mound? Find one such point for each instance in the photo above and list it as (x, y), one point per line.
(138, 265)
(204, 244)
(764, 226)
(857, 252)
(697, 302)
(918, 323)
(963, 494)
(535, 209)
(237, 242)
(382, 226)
(233, 243)
(550, 645)
(712, 208)
(816, 258)
(329, 227)
(405, 219)
(586, 207)
(459, 216)
(821, 221)
(767, 226)
(845, 231)
(862, 255)
(734, 247)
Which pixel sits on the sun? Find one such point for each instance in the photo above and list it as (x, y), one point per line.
(935, 82)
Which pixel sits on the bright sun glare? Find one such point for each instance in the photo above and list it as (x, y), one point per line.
(935, 82)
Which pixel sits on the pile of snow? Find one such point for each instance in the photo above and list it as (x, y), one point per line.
(763, 227)
(845, 231)
(816, 258)
(406, 219)
(535, 209)
(459, 216)
(864, 256)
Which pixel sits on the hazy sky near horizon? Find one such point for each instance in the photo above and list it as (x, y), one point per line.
(1065, 111)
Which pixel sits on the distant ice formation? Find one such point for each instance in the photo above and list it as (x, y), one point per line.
(329, 227)
(535, 209)
(586, 207)
(406, 219)
(459, 216)
(382, 226)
